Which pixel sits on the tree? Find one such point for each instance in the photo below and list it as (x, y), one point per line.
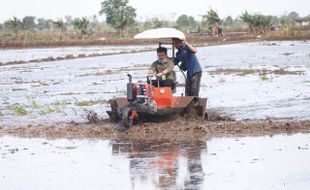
(15, 25)
(212, 18)
(185, 21)
(44, 24)
(118, 14)
(68, 21)
(61, 26)
(228, 21)
(293, 16)
(82, 25)
(249, 20)
(28, 22)
(257, 23)
(157, 23)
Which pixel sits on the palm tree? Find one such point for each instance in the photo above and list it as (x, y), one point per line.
(249, 20)
(257, 23)
(212, 19)
(82, 25)
(15, 25)
(61, 26)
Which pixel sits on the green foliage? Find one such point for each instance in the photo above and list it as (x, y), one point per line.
(257, 23)
(155, 23)
(82, 25)
(61, 26)
(59, 23)
(211, 18)
(15, 25)
(90, 102)
(34, 105)
(185, 21)
(28, 22)
(44, 24)
(118, 13)
(18, 110)
(228, 21)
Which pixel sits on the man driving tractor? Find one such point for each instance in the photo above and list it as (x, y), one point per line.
(163, 69)
(189, 62)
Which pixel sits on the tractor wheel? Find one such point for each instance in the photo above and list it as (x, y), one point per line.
(127, 118)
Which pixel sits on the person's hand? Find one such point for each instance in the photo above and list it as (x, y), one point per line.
(150, 74)
(159, 74)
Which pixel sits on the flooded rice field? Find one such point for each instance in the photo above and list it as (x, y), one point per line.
(260, 90)
(265, 162)
(10, 56)
(249, 81)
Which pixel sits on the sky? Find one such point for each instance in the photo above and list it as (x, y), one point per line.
(168, 9)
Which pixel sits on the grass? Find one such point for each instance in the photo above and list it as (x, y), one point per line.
(264, 77)
(244, 72)
(90, 102)
(35, 105)
(18, 110)
(98, 73)
(70, 147)
(47, 109)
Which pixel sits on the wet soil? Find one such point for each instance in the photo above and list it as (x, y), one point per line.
(181, 128)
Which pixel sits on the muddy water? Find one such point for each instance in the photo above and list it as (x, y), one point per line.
(267, 162)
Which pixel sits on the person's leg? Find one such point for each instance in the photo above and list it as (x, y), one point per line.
(154, 83)
(188, 86)
(195, 84)
(166, 83)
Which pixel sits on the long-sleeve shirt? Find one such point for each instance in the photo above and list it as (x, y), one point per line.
(188, 57)
(159, 67)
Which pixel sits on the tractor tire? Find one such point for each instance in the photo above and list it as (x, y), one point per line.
(126, 120)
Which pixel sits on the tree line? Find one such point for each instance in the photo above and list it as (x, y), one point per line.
(122, 18)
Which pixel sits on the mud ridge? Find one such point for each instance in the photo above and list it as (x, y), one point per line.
(180, 128)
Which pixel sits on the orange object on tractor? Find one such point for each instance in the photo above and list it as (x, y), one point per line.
(162, 96)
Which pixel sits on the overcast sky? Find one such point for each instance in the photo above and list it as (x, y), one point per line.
(169, 9)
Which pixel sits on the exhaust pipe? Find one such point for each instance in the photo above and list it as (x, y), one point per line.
(130, 90)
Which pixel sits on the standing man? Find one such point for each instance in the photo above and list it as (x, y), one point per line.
(187, 56)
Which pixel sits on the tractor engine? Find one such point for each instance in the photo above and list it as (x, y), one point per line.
(138, 92)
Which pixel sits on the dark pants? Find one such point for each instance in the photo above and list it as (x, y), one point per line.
(163, 83)
(193, 85)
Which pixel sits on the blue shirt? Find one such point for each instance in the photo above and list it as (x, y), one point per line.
(188, 57)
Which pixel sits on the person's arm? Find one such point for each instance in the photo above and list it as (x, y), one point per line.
(168, 70)
(152, 69)
(190, 47)
(176, 60)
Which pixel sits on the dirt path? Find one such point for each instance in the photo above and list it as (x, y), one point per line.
(178, 129)
(198, 40)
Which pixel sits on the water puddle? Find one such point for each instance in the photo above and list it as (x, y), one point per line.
(269, 162)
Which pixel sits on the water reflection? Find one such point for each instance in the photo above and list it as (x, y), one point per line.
(163, 164)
